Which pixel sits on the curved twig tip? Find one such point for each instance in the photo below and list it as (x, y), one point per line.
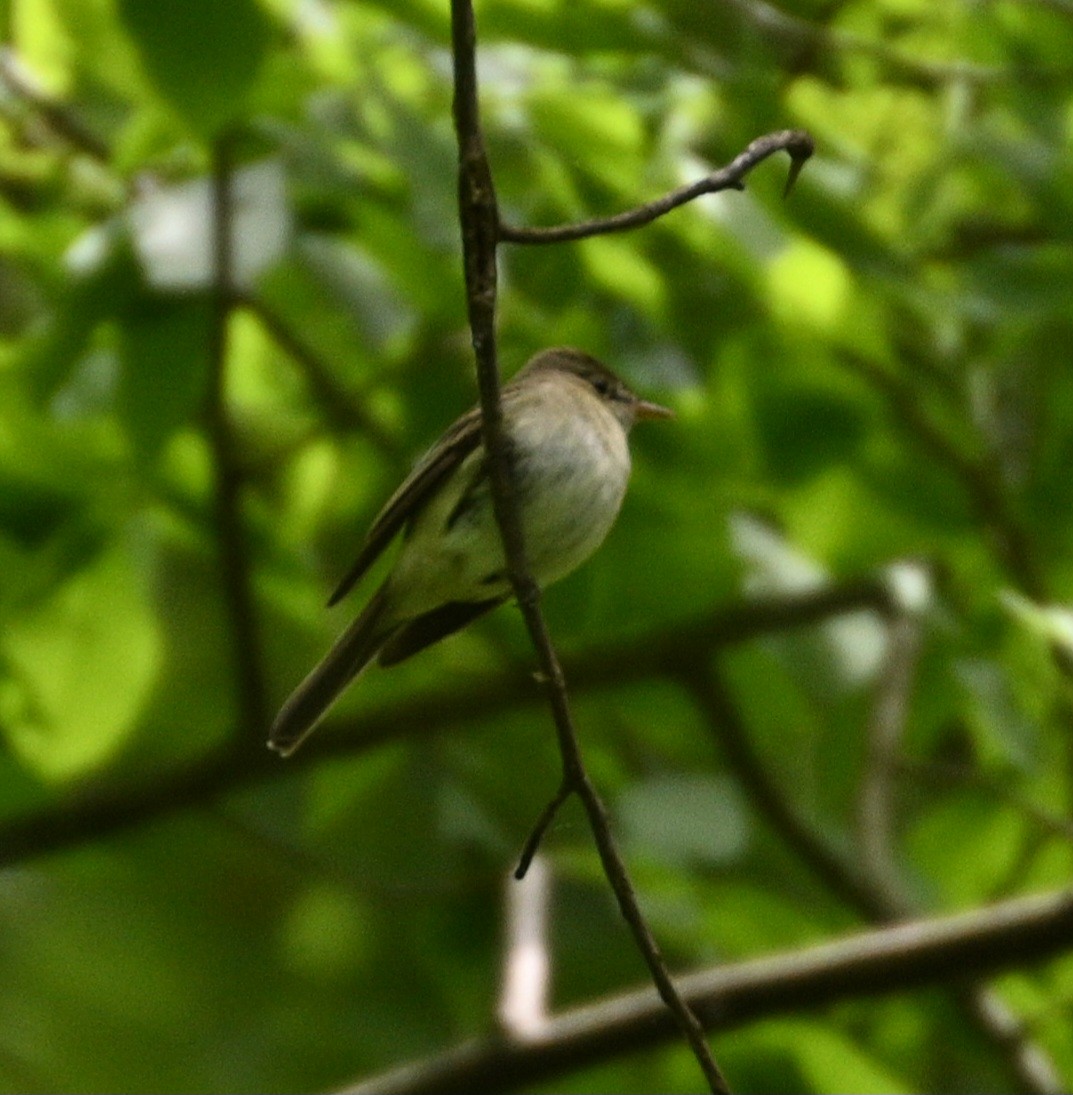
(800, 146)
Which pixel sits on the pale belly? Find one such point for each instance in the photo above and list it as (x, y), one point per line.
(570, 483)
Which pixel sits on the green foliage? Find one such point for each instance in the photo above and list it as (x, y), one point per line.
(203, 57)
(872, 370)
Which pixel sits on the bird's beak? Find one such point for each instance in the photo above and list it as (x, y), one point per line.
(644, 409)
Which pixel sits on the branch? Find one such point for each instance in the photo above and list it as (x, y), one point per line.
(95, 812)
(876, 895)
(732, 177)
(59, 117)
(339, 404)
(894, 959)
(479, 218)
(985, 1008)
(837, 869)
(1029, 1064)
(234, 560)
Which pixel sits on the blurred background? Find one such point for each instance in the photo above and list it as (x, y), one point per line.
(872, 380)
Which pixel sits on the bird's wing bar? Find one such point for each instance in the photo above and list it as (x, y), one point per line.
(412, 496)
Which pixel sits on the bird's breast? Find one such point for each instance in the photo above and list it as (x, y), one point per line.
(569, 464)
(570, 474)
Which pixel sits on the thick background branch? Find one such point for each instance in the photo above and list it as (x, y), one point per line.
(909, 956)
(930, 249)
(91, 813)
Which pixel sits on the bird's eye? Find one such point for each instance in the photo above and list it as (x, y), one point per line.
(601, 384)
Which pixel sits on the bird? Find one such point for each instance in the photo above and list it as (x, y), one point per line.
(567, 418)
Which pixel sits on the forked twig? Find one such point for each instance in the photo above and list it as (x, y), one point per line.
(482, 231)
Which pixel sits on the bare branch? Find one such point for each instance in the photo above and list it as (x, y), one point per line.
(876, 894)
(479, 217)
(894, 959)
(339, 403)
(94, 812)
(540, 827)
(732, 177)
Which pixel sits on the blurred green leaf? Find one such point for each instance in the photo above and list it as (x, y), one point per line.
(869, 371)
(79, 668)
(805, 430)
(164, 347)
(32, 509)
(203, 56)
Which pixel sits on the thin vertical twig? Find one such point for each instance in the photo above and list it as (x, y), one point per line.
(234, 559)
(983, 1005)
(479, 217)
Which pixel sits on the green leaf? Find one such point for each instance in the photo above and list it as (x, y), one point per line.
(164, 348)
(79, 669)
(31, 507)
(105, 277)
(202, 55)
(806, 429)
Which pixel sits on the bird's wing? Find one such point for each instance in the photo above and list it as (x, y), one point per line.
(414, 493)
(422, 631)
(349, 655)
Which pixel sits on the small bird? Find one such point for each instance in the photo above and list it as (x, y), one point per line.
(566, 417)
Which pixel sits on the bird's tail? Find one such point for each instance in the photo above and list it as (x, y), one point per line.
(349, 655)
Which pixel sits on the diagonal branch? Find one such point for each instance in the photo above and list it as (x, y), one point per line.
(339, 404)
(95, 812)
(57, 115)
(836, 868)
(874, 893)
(908, 956)
(983, 1005)
(732, 177)
(113, 808)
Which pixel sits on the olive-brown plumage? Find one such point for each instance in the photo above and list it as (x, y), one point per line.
(567, 418)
